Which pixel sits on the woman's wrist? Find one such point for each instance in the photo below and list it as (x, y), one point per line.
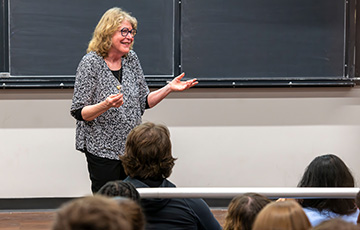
(106, 104)
(168, 88)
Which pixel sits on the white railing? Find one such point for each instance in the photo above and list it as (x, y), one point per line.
(226, 193)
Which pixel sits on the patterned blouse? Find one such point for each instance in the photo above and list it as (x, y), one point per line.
(105, 136)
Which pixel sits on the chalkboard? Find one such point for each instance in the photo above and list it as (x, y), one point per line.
(49, 37)
(228, 43)
(262, 39)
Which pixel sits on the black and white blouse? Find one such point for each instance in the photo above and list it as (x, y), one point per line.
(105, 136)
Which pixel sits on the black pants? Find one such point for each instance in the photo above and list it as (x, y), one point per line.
(102, 170)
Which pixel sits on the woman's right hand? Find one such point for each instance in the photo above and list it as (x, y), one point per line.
(115, 100)
(91, 112)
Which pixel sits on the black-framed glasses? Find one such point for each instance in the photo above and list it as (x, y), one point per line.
(125, 31)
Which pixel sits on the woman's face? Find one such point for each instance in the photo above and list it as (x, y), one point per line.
(122, 39)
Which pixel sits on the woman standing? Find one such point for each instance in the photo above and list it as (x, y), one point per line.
(111, 95)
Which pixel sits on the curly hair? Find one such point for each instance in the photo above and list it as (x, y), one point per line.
(243, 210)
(120, 188)
(91, 213)
(328, 171)
(148, 152)
(107, 26)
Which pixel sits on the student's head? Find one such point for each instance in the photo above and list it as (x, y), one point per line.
(336, 224)
(109, 23)
(242, 211)
(148, 152)
(133, 212)
(328, 171)
(91, 213)
(120, 188)
(287, 215)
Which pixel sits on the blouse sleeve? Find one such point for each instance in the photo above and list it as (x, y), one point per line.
(84, 86)
(143, 87)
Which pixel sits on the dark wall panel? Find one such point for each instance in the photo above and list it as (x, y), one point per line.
(49, 37)
(274, 39)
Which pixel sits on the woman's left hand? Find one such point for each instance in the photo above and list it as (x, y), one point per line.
(177, 85)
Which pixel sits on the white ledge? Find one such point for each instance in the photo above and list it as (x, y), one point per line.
(225, 193)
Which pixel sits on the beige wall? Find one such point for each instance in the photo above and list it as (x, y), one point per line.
(222, 137)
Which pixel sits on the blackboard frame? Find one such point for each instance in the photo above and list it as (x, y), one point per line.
(350, 79)
(4, 50)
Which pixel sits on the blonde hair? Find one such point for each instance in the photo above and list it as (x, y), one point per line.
(107, 26)
(282, 215)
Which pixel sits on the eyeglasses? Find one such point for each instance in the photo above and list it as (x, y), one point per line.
(125, 31)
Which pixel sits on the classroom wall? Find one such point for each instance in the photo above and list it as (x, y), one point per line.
(221, 137)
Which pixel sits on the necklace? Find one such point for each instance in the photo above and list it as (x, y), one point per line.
(119, 77)
(117, 73)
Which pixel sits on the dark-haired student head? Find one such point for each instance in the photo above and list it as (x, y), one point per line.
(128, 199)
(243, 210)
(149, 162)
(328, 171)
(148, 152)
(120, 188)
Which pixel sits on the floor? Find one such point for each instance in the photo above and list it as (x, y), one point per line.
(42, 220)
(26, 220)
